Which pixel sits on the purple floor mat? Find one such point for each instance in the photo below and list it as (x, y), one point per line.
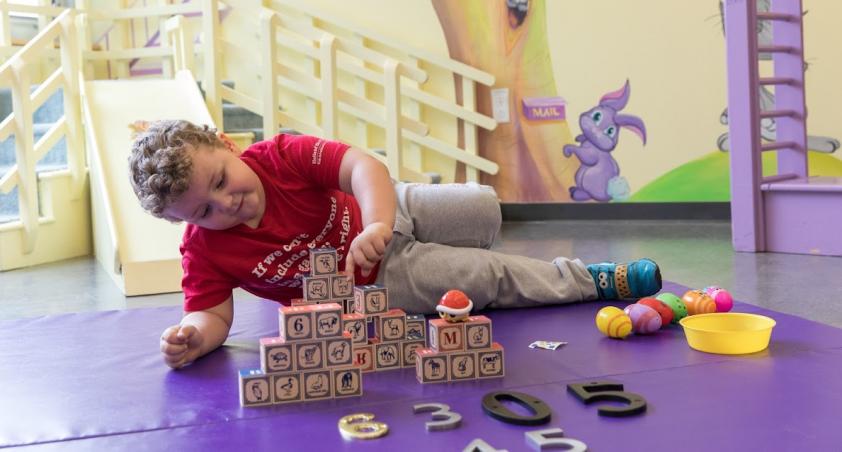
(98, 379)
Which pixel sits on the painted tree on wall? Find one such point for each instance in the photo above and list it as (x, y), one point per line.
(508, 39)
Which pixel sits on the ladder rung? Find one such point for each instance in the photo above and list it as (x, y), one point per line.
(779, 81)
(778, 49)
(778, 178)
(779, 114)
(766, 15)
(780, 145)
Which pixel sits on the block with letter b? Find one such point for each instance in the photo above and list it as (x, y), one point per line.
(295, 323)
(323, 261)
(371, 299)
(477, 332)
(447, 336)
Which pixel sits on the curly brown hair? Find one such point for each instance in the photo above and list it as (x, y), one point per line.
(160, 163)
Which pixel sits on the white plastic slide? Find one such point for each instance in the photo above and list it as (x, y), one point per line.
(140, 252)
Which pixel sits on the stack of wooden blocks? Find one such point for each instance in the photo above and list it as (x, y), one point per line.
(325, 283)
(313, 356)
(384, 338)
(459, 351)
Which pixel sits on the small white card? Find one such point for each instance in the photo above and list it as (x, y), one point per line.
(500, 104)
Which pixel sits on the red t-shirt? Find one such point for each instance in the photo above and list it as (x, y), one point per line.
(305, 209)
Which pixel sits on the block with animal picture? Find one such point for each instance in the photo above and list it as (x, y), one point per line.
(416, 327)
(461, 366)
(446, 336)
(356, 325)
(339, 351)
(324, 261)
(327, 319)
(392, 325)
(430, 366)
(347, 382)
(477, 332)
(276, 355)
(364, 357)
(255, 388)
(317, 384)
(342, 286)
(309, 355)
(408, 349)
(317, 288)
(371, 299)
(287, 387)
(490, 362)
(295, 323)
(387, 355)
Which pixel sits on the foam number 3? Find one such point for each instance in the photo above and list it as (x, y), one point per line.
(361, 426)
(596, 391)
(551, 438)
(443, 418)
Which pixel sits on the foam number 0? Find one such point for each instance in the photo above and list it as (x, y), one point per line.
(361, 426)
(551, 438)
(443, 418)
(596, 391)
(493, 406)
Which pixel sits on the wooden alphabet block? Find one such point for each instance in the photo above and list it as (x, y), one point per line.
(339, 351)
(462, 366)
(309, 355)
(392, 326)
(356, 325)
(317, 288)
(477, 332)
(373, 326)
(387, 355)
(490, 362)
(371, 299)
(416, 327)
(276, 355)
(287, 387)
(323, 261)
(446, 336)
(347, 382)
(408, 349)
(364, 357)
(328, 320)
(430, 366)
(317, 384)
(295, 323)
(347, 305)
(342, 286)
(255, 388)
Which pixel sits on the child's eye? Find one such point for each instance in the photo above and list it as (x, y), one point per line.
(221, 182)
(206, 212)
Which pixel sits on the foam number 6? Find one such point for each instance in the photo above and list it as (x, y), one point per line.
(361, 426)
(596, 391)
(443, 418)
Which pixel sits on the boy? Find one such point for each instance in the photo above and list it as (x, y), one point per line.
(254, 216)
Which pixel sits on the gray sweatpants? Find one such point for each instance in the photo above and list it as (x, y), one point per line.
(441, 241)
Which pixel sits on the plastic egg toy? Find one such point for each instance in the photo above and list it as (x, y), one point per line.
(613, 322)
(679, 309)
(722, 298)
(698, 302)
(645, 320)
(663, 310)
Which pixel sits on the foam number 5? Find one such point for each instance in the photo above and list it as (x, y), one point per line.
(361, 426)
(596, 391)
(443, 418)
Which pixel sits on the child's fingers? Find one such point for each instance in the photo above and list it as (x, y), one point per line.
(186, 332)
(349, 263)
(173, 350)
(170, 335)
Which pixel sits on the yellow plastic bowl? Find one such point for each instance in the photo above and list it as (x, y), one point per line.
(728, 333)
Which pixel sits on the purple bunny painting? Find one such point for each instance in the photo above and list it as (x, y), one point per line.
(598, 177)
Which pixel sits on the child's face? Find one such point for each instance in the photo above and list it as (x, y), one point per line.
(223, 192)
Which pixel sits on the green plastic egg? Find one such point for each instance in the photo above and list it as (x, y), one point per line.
(679, 309)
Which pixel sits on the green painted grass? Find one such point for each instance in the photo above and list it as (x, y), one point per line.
(708, 178)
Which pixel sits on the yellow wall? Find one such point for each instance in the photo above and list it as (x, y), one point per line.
(673, 52)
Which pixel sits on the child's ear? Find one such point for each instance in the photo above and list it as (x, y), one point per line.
(229, 144)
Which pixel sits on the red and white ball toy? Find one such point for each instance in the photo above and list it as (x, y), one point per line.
(455, 306)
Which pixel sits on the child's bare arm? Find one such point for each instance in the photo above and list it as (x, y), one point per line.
(368, 180)
(199, 333)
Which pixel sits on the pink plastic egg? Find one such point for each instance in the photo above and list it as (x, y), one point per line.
(722, 298)
(645, 320)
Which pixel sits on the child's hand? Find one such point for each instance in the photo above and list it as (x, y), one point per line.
(180, 345)
(368, 248)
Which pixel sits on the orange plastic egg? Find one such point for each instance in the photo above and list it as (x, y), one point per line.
(698, 302)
